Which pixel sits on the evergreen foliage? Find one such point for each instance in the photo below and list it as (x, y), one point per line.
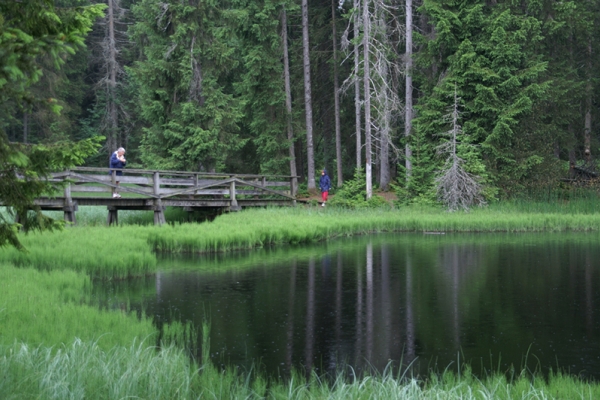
(31, 31)
(185, 80)
(200, 85)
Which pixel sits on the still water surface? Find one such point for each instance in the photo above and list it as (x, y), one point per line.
(413, 301)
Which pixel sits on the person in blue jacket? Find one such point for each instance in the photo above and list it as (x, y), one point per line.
(325, 185)
(117, 160)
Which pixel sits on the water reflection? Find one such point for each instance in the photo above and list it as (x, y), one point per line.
(405, 300)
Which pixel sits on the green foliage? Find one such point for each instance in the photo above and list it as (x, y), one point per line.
(186, 97)
(261, 84)
(23, 177)
(31, 29)
(353, 194)
(490, 53)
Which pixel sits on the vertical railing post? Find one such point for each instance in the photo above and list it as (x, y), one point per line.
(293, 186)
(234, 203)
(196, 182)
(69, 207)
(159, 214)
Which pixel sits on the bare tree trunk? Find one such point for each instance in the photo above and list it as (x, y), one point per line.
(384, 153)
(288, 98)
(336, 99)
(367, 94)
(357, 105)
(308, 98)
(409, 87)
(111, 83)
(588, 104)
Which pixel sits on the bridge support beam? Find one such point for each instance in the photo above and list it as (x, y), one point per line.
(159, 213)
(234, 204)
(159, 210)
(70, 206)
(113, 216)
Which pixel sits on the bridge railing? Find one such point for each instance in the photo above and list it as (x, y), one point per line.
(171, 184)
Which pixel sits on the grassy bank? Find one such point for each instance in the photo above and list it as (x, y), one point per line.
(53, 344)
(48, 308)
(129, 250)
(83, 370)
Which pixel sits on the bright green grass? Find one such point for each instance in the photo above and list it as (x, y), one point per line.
(52, 345)
(128, 250)
(49, 308)
(115, 252)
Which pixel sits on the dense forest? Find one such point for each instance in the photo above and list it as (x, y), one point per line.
(402, 89)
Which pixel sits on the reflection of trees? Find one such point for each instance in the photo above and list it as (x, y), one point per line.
(411, 352)
(369, 308)
(425, 300)
(358, 326)
(310, 318)
(290, 318)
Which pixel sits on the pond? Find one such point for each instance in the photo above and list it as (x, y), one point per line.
(414, 302)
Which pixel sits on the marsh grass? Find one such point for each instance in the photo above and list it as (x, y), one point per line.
(129, 250)
(101, 252)
(85, 370)
(49, 308)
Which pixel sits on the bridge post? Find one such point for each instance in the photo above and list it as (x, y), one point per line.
(69, 207)
(234, 203)
(113, 216)
(159, 210)
(293, 186)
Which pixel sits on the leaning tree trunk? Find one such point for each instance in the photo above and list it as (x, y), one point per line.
(288, 99)
(308, 98)
(408, 116)
(357, 105)
(336, 101)
(367, 94)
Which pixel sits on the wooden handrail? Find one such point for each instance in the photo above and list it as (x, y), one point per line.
(183, 173)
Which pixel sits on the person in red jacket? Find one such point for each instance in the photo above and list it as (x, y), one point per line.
(325, 185)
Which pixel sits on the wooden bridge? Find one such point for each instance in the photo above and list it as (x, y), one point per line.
(156, 190)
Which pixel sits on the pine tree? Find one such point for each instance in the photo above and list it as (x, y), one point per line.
(185, 80)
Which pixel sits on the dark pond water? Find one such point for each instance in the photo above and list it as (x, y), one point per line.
(414, 301)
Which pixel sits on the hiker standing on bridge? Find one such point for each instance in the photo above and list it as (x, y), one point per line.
(117, 160)
(325, 185)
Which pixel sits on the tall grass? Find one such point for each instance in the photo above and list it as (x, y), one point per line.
(49, 308)
(116, 252)
(128, 250)
(83, 370)
(259, 228)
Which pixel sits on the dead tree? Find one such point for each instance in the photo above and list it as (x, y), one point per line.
(382, 105)
(456, 188)
(115, 118)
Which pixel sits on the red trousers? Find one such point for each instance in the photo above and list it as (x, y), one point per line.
(324, 195)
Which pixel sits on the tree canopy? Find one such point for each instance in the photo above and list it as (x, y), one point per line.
(31, 31)
(222, 86)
